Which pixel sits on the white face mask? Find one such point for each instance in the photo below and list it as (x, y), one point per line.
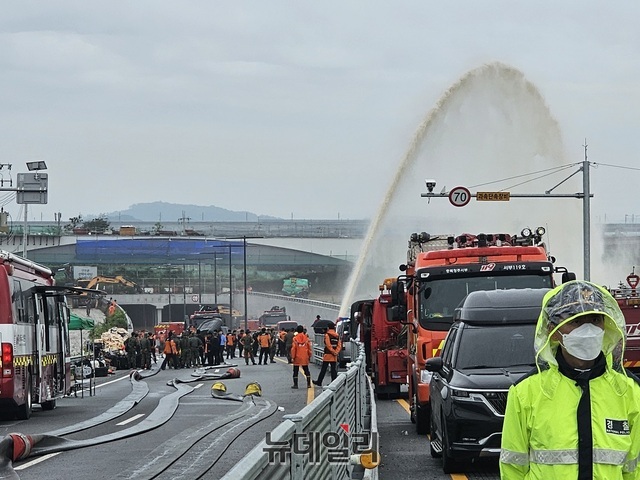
(585, 342)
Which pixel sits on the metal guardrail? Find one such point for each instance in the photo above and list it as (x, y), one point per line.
(318, 348)
(346, 404)
(304, 301)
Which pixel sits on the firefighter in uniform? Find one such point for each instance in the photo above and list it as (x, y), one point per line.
(194, 349)
(301, 352)
(132, 345)
(265, 342)
(272, 345)
(281, 343)
(247, 348)
(239, 342)
(288, 342)
(231, 345)
(145, 348)
(332, 346)
(577, 415)
(185, 352)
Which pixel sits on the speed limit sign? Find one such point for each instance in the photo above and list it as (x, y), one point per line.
(459, 196)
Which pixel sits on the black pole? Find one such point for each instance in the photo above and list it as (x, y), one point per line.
(184, 294)
(215, 279)
(230, 290)
(244, 265)
(199, 283)
(169, 298)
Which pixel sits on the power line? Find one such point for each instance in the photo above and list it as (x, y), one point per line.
(551, 170)
(541, 176)
(615, 166)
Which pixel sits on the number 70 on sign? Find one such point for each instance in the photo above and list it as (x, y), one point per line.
(459, 196)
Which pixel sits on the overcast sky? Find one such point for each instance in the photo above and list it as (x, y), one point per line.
(295, 109)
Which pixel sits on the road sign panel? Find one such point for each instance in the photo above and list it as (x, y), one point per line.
(493, 196)
(459, 196)
(32, 188)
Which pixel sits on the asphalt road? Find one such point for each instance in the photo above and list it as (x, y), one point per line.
(123, 458)
(405, 455)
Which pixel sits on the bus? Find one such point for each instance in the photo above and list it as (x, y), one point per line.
(35, 358)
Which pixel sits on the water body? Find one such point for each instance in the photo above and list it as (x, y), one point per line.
(492, 124)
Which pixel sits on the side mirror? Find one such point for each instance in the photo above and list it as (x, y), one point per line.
(567, 276)
(433, 364)
(396, 313)
(397, 294)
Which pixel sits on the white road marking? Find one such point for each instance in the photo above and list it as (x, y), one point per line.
(198, 386)
(129, 420)
(36, 461)
(112, 381)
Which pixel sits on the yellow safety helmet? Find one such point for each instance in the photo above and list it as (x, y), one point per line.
(253, 388)
(218, 388)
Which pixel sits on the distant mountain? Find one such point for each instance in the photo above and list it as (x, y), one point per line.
(171, 212)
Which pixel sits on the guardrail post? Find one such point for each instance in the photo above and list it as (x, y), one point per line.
(297, 460)
(364, 385)
(318, 348)
(339, 394)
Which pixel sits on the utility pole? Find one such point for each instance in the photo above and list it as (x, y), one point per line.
(32, 188)
(460, 196)
(25, 236)
(183, 220)
(586, 215)
(244, 269)
(231, 321)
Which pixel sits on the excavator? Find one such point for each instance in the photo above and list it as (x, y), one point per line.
(93, 282)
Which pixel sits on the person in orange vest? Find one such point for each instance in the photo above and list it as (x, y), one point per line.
(332, 346)
(264, 340)
(112, 307)
(301, 352)
(170, 353)
(231, 345)
(281, 343)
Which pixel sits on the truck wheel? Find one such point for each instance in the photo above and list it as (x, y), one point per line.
(381, 393)
(49, 405)
(23, 412)
(422, 417)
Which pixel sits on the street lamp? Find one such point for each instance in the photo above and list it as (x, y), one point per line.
(58, 218)
(230, 290)
(184, 293)
(244, 275)
(215, 280)
(31, 166)
(244, 269)
(35, 166)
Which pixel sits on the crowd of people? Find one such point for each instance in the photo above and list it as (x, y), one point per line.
(190, 350)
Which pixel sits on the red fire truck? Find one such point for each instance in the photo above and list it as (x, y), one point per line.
(34, 336)
(440, 272)
(628, 298)
(162, 329)
(385, 342)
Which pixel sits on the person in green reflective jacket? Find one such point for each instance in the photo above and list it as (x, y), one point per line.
(577, 415)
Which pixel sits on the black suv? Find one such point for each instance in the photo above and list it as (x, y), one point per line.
(488, 348)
